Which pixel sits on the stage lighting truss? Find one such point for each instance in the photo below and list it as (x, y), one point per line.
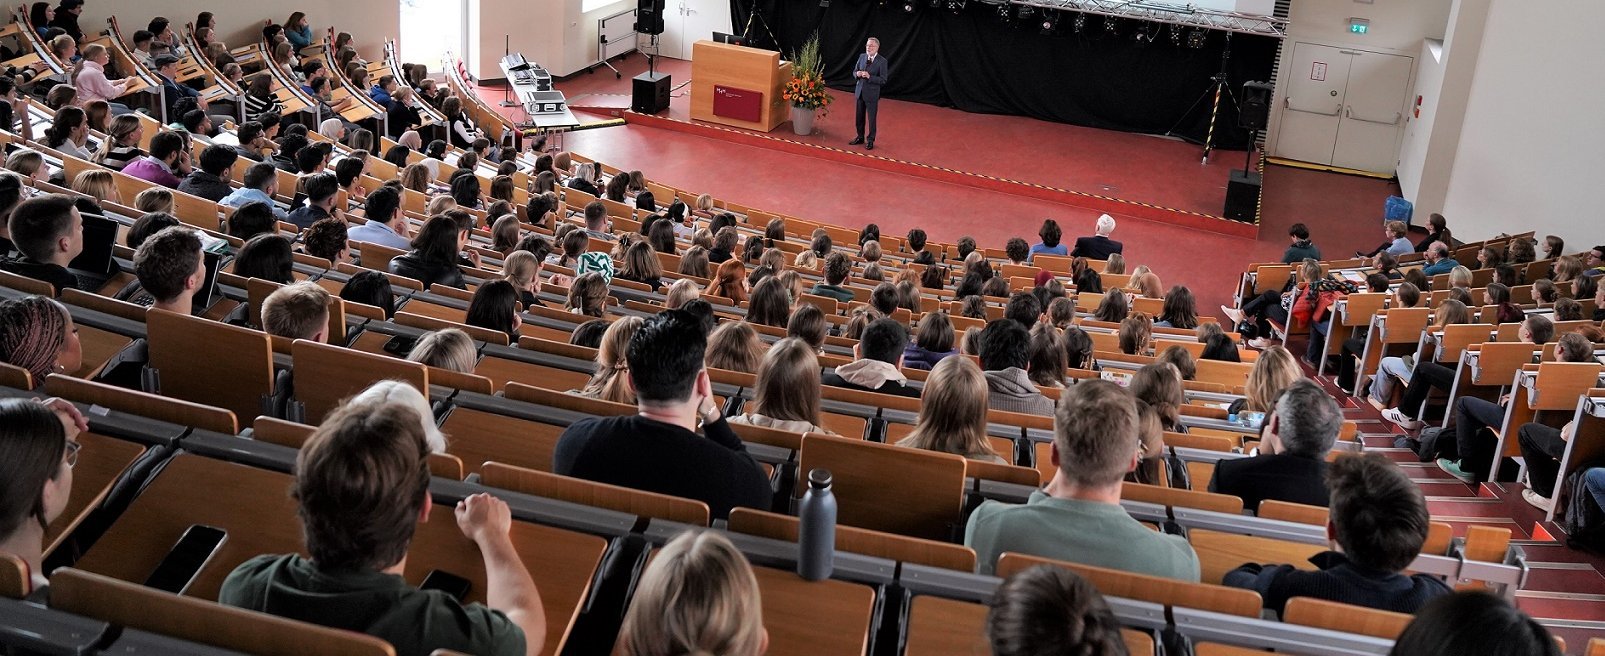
(956, 6)
(1184, 15)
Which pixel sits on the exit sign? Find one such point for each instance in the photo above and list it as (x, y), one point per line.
(1359, 26)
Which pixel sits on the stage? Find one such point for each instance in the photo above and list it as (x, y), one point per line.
(930, 169)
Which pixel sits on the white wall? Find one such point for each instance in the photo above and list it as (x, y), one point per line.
(238, 24)
(1533, 144)
(1418, 129)
(1397, 27)
(553, 33)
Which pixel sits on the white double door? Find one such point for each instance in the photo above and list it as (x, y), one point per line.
(686, 22)
(1344, 107)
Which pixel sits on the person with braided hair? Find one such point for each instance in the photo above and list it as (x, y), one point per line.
(37, 334)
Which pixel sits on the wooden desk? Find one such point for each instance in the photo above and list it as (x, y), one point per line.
(948, 627)
(1219, 553)
(253, 506)
(99, 348)
(101, 461)
(814, 618)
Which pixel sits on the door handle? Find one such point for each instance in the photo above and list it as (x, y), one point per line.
(1288, 103)
(1348, 112)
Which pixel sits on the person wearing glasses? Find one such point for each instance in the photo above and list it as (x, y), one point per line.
(38, 449)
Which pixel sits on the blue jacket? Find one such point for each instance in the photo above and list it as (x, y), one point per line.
(1442, 266)
(378, 94)
(299, 38)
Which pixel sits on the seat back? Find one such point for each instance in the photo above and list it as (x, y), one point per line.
(326, 375)
(150, 406)
(15, 584)
(1362, 306)
(1179, 498)
(949, 627)
(1456, 337)
(932, 553)
(889, 488)
(1323, 614)
(612, 497)
(210, 363)
(1404, 325)
(147, 609)
(1497, 362)
(1559, 384)
(1142, 587)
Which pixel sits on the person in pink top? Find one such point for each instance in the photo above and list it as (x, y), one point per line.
(89, 77)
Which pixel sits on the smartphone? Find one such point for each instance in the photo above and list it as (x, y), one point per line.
(446, 582)
(178, 569)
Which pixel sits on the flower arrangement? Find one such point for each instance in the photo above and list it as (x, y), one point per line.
(807, 89)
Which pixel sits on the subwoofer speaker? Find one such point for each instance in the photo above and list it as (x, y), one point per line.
(649, 16)
(650, 93)
(1242, 196)
(1255, 112)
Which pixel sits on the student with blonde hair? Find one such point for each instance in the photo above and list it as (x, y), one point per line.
(698, 596)
(735, 346)
(681, 292)
(611, 382)
(788, 391)
(953, 412)
(450, 349)
(523, 270)
(1273, 372)
(154, 199)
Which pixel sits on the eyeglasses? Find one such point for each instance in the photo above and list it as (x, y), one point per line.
(72, 453)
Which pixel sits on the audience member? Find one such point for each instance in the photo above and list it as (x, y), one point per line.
(167, 163)
(434, 255)
(268, 256)
(1300, 248)
(1299, 431)
(1005, 354)
(1473, 623)
(171, 268)
(1099, 246)
(933, 342)
(1051, 610)
(450, 349)
(297, 311)
(1050, 234)
(260, 185)
(698, 596)
(878, 361)
(49, 232)
(611, 381)
(38, 334)
(787, 390)
(953, 417)
(495, 307)
(38, 450)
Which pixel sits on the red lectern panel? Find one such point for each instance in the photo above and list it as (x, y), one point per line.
(739, 104)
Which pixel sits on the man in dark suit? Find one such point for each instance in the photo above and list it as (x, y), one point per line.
(870, 71)
(1300, 430)
(1099, 246)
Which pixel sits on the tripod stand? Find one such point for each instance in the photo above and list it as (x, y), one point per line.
(1219, 87)
(507, 95)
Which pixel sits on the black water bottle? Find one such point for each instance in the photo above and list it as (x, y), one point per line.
(817, 537)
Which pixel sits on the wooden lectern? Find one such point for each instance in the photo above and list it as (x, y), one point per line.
(738, 86)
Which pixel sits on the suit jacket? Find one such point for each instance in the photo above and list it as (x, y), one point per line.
(1282, 477)
(870, 88)
(1096, 247)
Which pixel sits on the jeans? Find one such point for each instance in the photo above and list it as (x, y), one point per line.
(1382, 383)
(1476, 451)
(1261, 309)
(1428, 375)
(1542, 448)
(1594, 482)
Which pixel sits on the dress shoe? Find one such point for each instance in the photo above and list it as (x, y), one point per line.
(869, 147)
(856, 141)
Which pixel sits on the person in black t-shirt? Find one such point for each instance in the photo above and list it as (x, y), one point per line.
(50, 233)
(658, 450)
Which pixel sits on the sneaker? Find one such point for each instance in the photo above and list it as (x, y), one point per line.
(1538, 501)
(1234, 314)
(1452, 468)
(1260, 343)
(1393, 415)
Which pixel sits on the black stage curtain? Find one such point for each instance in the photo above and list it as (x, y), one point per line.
(976, 62)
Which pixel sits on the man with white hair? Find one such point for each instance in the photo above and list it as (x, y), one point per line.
(869, 75)
(1098, 246)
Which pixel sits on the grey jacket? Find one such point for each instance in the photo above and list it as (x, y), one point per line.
(1011, 391)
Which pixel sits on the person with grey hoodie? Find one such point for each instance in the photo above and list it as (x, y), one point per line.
(1005, 354)
(878, 367)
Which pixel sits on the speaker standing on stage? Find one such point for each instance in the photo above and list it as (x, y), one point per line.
(871, 74)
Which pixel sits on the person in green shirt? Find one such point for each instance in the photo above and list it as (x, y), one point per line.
(1077, 517)
(837, 268)
(362, 481)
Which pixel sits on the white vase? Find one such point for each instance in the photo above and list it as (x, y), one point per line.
(802, 120)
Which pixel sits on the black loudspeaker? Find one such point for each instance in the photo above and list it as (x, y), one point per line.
(1255, 112)
(649, 93)
(649, 16)
(1242, 196)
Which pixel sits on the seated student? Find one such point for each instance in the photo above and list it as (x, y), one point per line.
(329, 240)
(434, 254)
(1300, 247)
(495, 307)
(38, 334)
(933, 342)
(1050, 235)
(787, 396)
(297, 311)
(1005, 353)
(953, 413)
(250, 220)
(1299, 431)
(1395, 241)
(321, 190)
(658, 450)
(38, 449)
(260, 185)
(211, 180)
(611, 381)
(1472, 455)
(734, 346)
(171, 268)
(878, 361)
(49, 232)
(449, 348)
(1536, 329)
(1051, 610)
(1099, 246)
(1378, 522)
(269, 256)
(370, 288)
(1024, 308)
(167, 163)
(589, 334)
(1473, 623)
(365, 467)
(1391, 368)
(697, 596)
(1077, 517)
(837, 267)
(386, 225)
(1438, 260)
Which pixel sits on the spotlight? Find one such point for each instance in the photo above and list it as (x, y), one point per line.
(1081, 22)
(1025, 12)
(955, 6)
(909, 6)
(1197, 38)
(1175, 35)
(1050, 22)
(1109, 25)
(1005, 14)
